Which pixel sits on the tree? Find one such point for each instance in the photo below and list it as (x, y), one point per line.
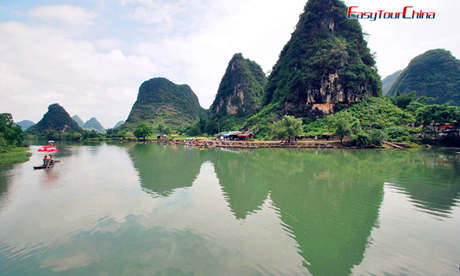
(435, 115)
(342, 128)
(11, 134)
(162, 129)
(402, 101)
(143, 130)
(287, 127)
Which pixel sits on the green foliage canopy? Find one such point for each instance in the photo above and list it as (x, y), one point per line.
(287, 127)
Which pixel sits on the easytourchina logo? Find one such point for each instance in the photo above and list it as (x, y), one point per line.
(408, 12)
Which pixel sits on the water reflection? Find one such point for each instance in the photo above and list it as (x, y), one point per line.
(328, 201)
(430, 178)
(281, 212)
(242, 181)
(162, 169)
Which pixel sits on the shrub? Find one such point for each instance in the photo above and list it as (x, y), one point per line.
(376, 137)
(361, 140)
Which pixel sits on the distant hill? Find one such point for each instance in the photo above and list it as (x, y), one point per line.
(78, 120)
(241, 89)
(388, 81)
(56, 119)
(119, 124)
(25, 124)
(93, 124)
(161, 101)
(436, 74)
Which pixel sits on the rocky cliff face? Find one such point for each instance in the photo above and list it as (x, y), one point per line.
(161, 101)
(325, 66)
(435, 74)
(93, 124)
(241, 89)
(56, 119)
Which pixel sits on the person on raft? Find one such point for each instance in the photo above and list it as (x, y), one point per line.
(48, 160)
(45, 160)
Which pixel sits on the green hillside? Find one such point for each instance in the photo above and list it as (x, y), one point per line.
(325, 66)
(55, 120)
(161, 101)
(435, 74)
(240, 92)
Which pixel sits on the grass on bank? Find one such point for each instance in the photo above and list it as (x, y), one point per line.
(14, 155)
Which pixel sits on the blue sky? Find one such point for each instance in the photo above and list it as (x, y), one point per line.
(91, 56)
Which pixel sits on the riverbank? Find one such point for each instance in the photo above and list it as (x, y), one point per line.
(14, 155)
(324, 144)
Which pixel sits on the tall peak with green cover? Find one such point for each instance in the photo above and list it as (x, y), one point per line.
(435, 74)
(325, 65)
(241, 89)
(162, 101)
(56, 119)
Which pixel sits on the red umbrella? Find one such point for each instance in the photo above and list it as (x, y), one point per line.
(48, 149)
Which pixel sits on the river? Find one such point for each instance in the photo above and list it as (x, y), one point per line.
(135, 209)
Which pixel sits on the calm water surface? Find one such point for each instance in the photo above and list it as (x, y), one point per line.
(160, 210)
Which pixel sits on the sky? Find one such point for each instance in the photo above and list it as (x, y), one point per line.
(92, 56)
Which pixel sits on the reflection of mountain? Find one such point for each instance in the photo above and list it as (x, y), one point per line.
(329, 200)
(163, 169)
(330, 203)
(243, 184)
(430, 179)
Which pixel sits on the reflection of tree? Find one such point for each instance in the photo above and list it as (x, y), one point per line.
(3, 184)
(163, 169)
(242, 182)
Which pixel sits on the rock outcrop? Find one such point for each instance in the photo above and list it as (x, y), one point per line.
(241, 89)
(325, 66)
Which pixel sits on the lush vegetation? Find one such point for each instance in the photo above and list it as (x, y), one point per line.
(12, 148)
(55, 120)
(434, 74)
(324, 45)
(143, 131)
(14, 155)
(287, 127)
(240, 91)
(372, 113)
(161, 101)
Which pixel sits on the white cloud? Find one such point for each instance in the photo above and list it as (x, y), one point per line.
(258, 31)
(67, 14)
(71, 72)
